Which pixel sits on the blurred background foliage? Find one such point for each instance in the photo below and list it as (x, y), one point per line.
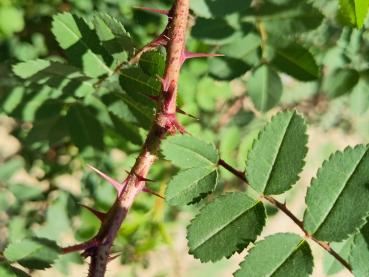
(56, 117)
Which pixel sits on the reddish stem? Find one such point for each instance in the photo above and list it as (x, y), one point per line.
(282, 207)
(110, 226)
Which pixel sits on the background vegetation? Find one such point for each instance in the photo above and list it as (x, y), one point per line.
(307, 55)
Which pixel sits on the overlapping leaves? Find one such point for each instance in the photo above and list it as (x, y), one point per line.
(278, 255)
(198, 175)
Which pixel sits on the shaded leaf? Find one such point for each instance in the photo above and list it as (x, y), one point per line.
(33, 253)
(265, 88)
(81, 44)
(153, 63)
(84, 129)
(224, 226)
(339, 82)
(219, 8)
(296, 61)
(277, 156)
(337, 198)
(191, 184)
(55, 75)
(113, 36)
(278, 255)
(134, 81)
(226, 68)
(359, 255)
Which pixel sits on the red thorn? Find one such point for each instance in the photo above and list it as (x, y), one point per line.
(111, 258)
(99, 215)
(179, 110)
(152, 192)
(159, 11)
(162, 39)
(173, 125)
(190, 55)
(118, 186)
(140, 178)
(80, 247)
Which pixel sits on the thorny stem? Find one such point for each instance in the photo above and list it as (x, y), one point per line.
(282, 207)
(167, 106)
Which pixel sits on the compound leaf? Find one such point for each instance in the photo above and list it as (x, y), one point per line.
(187, 152)
(226, 225)
(278, 255)
(337, 199)
(135, 81)
(277, 156)
(188, 185)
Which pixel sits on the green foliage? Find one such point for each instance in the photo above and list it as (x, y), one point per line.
(33, 253)
(198, 175)
(354, 12)
(360, 253)
(80, 100)
(296, 61)
(278, 255)
(214, 232)
(189, 152)
(336, 200)
(282, 144)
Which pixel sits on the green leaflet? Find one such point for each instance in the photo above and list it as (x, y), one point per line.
(227, 68)
(6, 270)
(224, 226)
(190, 184)
(55, 75)
(277, 156)
(153, 63)
(337, 199)
(265, 88)
(296, 61)
(218, 8)
(114, 38)
(84, 128)
(354, 12)
(213, 30)
(278, 255)
(33, 253)
(331, 265)
(341, 81)
(135, 81)
(187, 152)
(290, 19)
(199, 159)
(81, 44)
(359, 255)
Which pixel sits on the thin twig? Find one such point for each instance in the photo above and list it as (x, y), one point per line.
(282, 207)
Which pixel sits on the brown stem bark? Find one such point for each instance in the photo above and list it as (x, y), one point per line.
(282, 207)
(116, 215)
